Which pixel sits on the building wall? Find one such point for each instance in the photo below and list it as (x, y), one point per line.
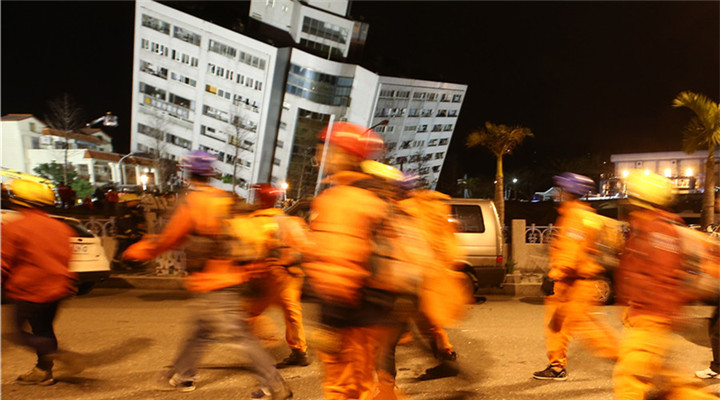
(676, 165)
(422, 118)
(17, 138)
(217, 87)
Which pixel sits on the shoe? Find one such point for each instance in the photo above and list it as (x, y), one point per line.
(36, 376)
(181, 385)
(707, 374)
(265, 393)
(451, 356)
(72, 363)
(445, 369)
(551, 373)
(297, 357)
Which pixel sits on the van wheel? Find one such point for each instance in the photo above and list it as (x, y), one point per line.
(85, 288)
(471, 284)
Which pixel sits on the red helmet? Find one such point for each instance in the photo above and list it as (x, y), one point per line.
(354, 138)
(265, 195)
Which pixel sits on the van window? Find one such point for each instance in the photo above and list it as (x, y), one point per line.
(470, 218)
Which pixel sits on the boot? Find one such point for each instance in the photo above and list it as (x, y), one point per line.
(448, 367)
(296, 357)
(36, 376)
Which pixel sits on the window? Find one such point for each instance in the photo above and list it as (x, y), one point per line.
(452, 113)
(153, 91)
(181, 101)
(427, 112)
(380, 129)
(414, 112)
(432, 142)
(276, 161)
(391, 146)
(252, 60)
(444, 142)
(186, 35)
(456, 98)
(418, 95)
(223, 49)
(154, 23)
(405, 145)
(387, 93)
(445, 97)
(324, 30)
(211, 89)
(410, 128)
(211, 133)
(215, 113)
(470, 218)
(422, 128)
(319, 87)
(258, 85)
(447, 127)
(432, 96)
(390, 128)
(280, 144)
(436, 168)
(183, 79)
(437, 128)
(177, 141)
(402, 94)
(151, 69)
(150, 131)
(439, 156)
(441, 113)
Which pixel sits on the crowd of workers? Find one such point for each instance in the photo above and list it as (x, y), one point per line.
(379, 253)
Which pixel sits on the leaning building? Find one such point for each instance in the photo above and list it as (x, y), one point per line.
(197, 85)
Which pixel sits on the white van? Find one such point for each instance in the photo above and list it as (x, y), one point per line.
(480, 235)
(88, 259)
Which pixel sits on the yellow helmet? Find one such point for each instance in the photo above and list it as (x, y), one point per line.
(381, 170)
(29, 193)
(128, 197)
(649, 188)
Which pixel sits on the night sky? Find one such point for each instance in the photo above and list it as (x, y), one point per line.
(588, 78)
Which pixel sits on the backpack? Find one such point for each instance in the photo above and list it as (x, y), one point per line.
(252, 236)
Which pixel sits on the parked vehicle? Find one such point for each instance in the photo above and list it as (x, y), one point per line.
(480, 236)
(88, 256)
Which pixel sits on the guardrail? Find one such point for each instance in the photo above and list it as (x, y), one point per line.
(100, 226)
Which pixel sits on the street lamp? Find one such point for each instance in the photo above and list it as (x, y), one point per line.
(122, 172)
(284, 187)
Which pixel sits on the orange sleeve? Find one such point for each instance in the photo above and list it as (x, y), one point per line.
(179, 226)
(567, 246)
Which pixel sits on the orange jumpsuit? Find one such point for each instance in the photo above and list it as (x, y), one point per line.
(283, 279)
(652, 280)
(341, 222)
(570, 311)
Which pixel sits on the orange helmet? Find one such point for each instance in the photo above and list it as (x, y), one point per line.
(265, 195)
(354, 138)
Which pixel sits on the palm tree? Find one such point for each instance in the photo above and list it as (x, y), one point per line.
(702, 130)
(500, 140)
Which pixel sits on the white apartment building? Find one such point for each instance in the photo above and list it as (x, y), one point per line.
(200, 86)
(686, 170)
(421, 116)
(190, 75)
(27, 142)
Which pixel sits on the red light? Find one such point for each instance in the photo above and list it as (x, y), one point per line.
(499, 259)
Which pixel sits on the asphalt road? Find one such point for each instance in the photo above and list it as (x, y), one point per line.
(130, 337)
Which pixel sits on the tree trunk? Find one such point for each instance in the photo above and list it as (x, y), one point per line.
(500, 191)
(708, 202)
(65, 166)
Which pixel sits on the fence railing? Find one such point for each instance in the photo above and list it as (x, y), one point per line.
(538, 234)
(100, 226)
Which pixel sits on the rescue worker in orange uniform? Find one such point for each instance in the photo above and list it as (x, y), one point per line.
(342, 220)
(217, 283)
(572, 309)
(282, 280)
(442, 297)
(655, 282)
(35, 256)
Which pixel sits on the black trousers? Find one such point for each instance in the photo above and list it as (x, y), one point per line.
(41, 337)
(714, 331)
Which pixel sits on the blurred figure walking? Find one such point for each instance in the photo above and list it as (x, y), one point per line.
(217, 282)
(35, 257)
(574, 267)
(282, 279)
(342, 222)
(656, 278)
